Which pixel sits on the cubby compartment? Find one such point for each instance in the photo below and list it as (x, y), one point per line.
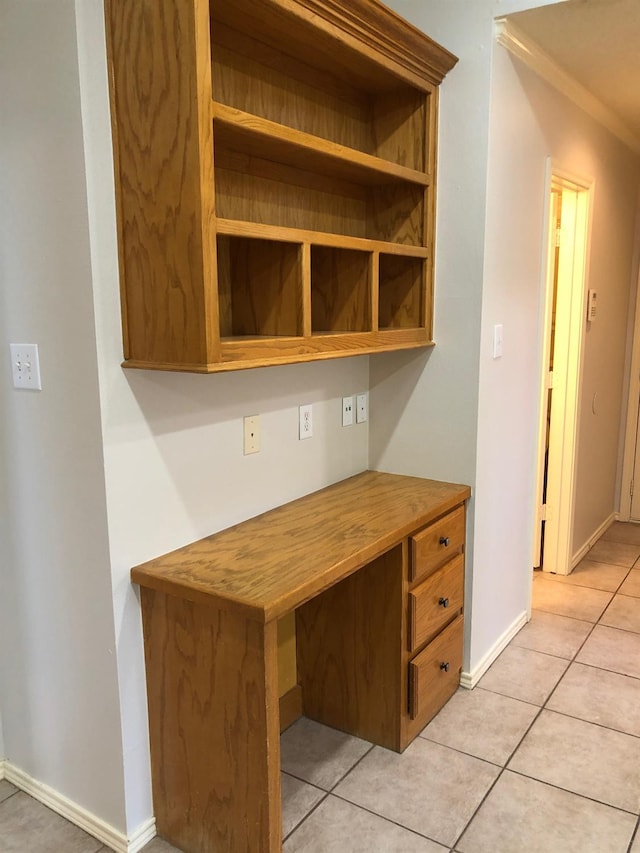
(281, 73)
(340, 290)
(401, 302)
(259, 287)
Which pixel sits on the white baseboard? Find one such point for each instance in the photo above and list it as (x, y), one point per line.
(2, 770)
(470, 679)
(582, 553)
(77, 815)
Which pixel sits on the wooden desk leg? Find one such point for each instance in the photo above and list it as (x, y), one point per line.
(214, 727)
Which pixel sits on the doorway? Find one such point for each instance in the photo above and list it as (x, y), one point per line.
(564, 304)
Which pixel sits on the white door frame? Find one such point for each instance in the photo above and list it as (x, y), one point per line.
(631, 429)
(570, 316)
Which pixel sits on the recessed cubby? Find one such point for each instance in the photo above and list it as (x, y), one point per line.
(259, 287)
(401, 292)
(340, 290)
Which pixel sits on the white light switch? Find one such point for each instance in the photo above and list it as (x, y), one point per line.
(25, 366)
(497, 341)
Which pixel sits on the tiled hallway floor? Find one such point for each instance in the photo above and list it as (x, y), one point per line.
(543, 756)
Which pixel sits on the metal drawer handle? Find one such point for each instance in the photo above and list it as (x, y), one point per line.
(444, 540)
(444, 666)
(443, 602)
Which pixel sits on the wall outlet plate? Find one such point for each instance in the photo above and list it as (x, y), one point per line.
(362, 408)
(251, 434)
(305, 419)
(347, 411)
(25, 366)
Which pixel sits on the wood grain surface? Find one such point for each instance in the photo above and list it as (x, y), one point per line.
(436, 544)
(271, 564)
(435, 602)
(213, 726)
(350, 651)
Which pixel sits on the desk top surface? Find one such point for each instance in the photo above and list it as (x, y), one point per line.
(271, 564)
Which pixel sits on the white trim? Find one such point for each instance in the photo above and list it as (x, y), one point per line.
(468, 680)
(600, 531)
(2, 769)
(95, 826)
(529, 52)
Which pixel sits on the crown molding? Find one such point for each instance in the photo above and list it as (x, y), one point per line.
(534, 57)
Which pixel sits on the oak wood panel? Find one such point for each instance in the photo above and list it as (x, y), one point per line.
(435, 601)
(245, 196)
(290, 707)
(430, 686)
(258, 137)
(255, 77)
(350, 651)
(319, 238)
(395, 213)
(340, 290)
(212, 674)
(401, 292)
(302, 548)
(362, 41)
(260, 287)
(399, 125)
(428, 551)
(161, 115)
(241, 355)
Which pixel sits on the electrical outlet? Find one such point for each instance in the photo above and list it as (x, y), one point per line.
(305, 417)
(347, 411)
(362, 408)
(25, 366)
(251, 434)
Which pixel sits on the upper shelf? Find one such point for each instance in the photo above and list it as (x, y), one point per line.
(258, 137)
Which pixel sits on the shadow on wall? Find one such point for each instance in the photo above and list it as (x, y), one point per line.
(171, 402)
(399, 373)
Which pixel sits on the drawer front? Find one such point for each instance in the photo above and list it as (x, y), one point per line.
(433, 545)
(434, 674)
(435, 600)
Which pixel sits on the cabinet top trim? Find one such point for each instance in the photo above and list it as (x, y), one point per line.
(269, 565)
(379, 28)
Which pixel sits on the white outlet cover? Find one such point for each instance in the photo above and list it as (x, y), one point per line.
(305, 421)
(25, 366)
(362, 408)
(347, 411)
(251, 434)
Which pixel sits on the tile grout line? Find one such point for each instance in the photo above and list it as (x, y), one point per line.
(326, 793)
(543, 707)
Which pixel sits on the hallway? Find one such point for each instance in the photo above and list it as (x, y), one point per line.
(543, 756)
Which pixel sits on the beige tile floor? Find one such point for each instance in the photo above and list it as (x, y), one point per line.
(543, 756)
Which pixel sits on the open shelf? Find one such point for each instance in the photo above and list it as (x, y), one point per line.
(340, 290)
(259, 287)
(261, 69)
(258, 137)
(401, 292)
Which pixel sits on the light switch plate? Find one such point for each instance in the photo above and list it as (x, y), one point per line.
(347, 411)
(25, 366)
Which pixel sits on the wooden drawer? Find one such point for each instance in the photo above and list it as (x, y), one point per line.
(435, 601)
(433, 545)
(434, 674)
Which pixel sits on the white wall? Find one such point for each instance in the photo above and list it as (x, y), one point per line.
(531, 121)
(457, 414)
(58, 679)
(173, 442)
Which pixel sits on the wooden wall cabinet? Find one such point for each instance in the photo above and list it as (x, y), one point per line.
(373, 568)
(275, 169)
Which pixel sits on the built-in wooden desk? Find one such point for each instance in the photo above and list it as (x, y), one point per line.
(373, 566)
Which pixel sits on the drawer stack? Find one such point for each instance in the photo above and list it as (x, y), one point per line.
(435, 616)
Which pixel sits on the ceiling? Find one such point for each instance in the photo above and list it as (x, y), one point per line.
(597, 42)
